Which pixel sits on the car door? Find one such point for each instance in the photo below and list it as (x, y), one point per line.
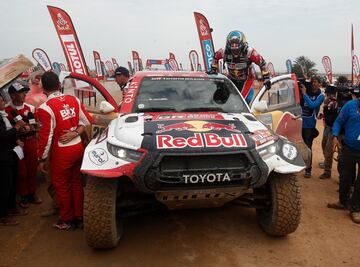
(91, 94)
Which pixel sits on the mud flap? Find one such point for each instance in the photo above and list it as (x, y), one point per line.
(290, 127)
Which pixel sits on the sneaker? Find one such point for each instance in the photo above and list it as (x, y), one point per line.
(7, 221)
(17, 212)
(307, 174)
(50, 212)
(355, 216)
(34, 199)
(337, 206)
(325, 175)
(79, 223)
(322, 165)
(62, 225)
(24, 203)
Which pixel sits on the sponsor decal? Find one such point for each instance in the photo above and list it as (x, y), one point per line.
(203, 28)
(209, 53)
(197, 126)
(74, 56)
(200, 140)
(206, 178)
(130, 92)
(61, 23)
(184, 116)
(67, 112)
(98, 156)
(263, 136)
(41, 57)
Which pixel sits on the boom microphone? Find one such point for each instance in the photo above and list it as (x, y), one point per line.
(31, 118)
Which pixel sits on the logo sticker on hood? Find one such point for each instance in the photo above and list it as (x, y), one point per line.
(98, 156)
(197, 126)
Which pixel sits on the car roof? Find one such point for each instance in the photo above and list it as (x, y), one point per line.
(194, 74)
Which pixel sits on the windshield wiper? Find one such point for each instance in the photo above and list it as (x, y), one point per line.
(204, 109)
(156, 109)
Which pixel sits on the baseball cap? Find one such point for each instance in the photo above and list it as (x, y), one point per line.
(121, 71)
(17, 87)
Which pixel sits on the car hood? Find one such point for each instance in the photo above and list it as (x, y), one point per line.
(185, 132)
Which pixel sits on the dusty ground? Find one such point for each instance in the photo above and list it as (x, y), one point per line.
(227, 236)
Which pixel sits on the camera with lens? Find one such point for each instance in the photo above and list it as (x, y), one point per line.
(307, 84)
(344, 94)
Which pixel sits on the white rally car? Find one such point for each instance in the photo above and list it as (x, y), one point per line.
(188, 140)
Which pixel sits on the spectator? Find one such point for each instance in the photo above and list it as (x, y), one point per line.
(63, 118)
(7, 165)
(312, 100)
(330, 112)
(121, 76)
(36, 96)
(349, 118)
(26, 186)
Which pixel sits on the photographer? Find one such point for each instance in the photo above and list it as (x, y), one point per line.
(312, 98)
(330, 112)
(349, 118)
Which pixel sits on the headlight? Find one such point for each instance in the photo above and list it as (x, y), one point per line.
(124, 153)
(268, 151)
(289, 151)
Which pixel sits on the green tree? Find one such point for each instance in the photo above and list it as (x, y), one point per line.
(303, 66)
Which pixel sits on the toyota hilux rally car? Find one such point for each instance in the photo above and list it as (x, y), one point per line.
(186, 140)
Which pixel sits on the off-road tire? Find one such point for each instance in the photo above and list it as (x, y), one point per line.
(101, 227)
(283, 208)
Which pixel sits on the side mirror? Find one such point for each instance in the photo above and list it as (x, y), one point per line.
(106, 107)
(260, 106)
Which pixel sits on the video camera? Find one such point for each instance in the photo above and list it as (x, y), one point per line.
(307, 84)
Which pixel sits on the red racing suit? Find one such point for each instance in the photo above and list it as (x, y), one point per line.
(27, 167)
(240, 69)
(63, 112)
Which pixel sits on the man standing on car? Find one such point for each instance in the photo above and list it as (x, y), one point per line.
(312, 100)
(63, 118)
(121, 76)
(349, 118)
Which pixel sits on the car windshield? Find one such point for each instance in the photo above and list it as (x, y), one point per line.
(182, 94)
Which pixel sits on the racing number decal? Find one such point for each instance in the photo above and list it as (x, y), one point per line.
(97, 130)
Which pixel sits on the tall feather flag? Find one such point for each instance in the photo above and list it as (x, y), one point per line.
(352, 54)
(328, 68)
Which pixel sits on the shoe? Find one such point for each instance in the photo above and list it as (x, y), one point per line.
(50, 212)
(322, 165)
(34, 199)
(337, 206)
(24, 203)
(79, 223)
(307, 174)
(6, 221)
(325, 175)
(62, 225)
(17, 212)
(355, 216)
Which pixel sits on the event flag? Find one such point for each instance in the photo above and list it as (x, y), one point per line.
(271, 69)
(115, 63)
(69, 40)
(136, 61)
(42, 58)
(352, 54)
(289, 66)
(110, 67)
(194, 60)
(131, 70)
(62, 67)
(328, 68)
(206, 42)
(97, 62)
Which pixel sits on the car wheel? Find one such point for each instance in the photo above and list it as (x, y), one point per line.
(281, 211)
(101, 227)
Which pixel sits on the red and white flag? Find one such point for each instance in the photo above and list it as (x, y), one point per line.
(136, 61)
(42, 58)
(194, 60)
(69, 40)
(206, 42)
(110, 67)
(62, 67)
(131, 70)
(328, 68)
(98, 68)
(115, 63)
(271, 69)
(352, 54)
(356, 69)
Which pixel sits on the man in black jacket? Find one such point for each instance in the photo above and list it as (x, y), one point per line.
(7, 163)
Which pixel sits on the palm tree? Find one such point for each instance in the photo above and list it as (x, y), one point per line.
(303, 67)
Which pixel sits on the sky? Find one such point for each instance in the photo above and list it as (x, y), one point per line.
(277, 29)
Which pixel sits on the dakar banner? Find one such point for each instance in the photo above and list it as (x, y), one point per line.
(356, 69)
(42, 58)
(130, 68)
(136, 61)
(199, 67)
(327, 66)
(103, 69)
(62, 67)
(289, 66)
(271, 69)
(97, 62)
(115, 63)
(140, 64)
(206, 42)
(171, 55)
(69, 40)
(173, 61)
(110, 67)
(194, 60)
(352, 54)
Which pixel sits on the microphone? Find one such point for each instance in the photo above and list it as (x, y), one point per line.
(31, 118)
(17, 117)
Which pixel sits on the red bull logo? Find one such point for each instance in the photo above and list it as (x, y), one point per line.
(197, 126)
(201, 140)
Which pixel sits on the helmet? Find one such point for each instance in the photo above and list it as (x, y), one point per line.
(236, 42)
